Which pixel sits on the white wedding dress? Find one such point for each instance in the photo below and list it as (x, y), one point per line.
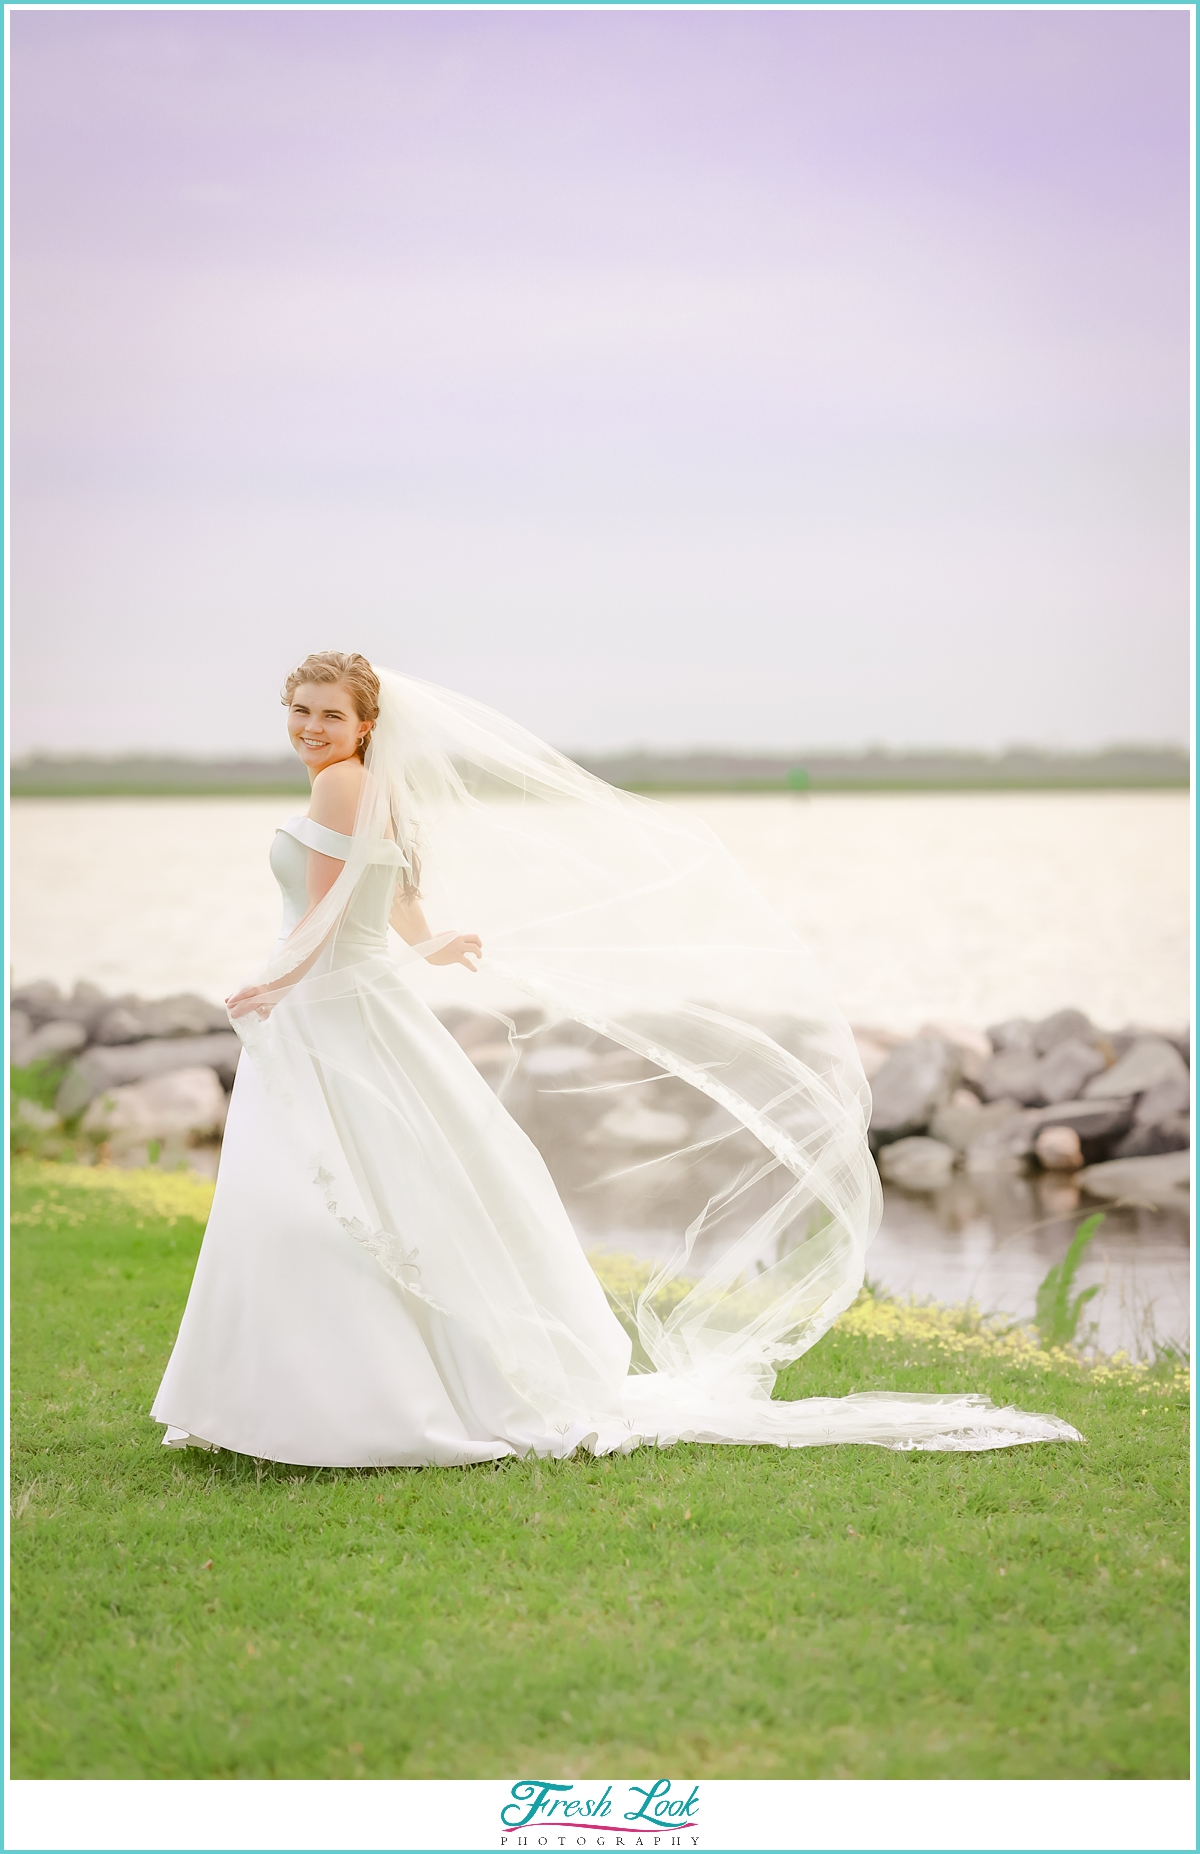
(389, 1278)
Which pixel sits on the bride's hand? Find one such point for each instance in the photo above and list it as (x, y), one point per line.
(463, 950)
(251, 1000)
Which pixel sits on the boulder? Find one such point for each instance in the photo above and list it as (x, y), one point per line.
(916, 1164)
(973, 1047)
(1147, 1062)
(120, 1024)
(1166, 1098)
(474, 1029)
(1062, 1027)
(872, 1052)
(1160, 1182)
(1007, 1146)
(38, 1000)
(917, 1078)
(32, 1114)
(1124, 1039)
(1014, 1074)
(552, 1059)
(45, 1003)
(1172, 1133)
(185, 1103)
(132, 1019)
(640, 1127)
(1058, 1149)
(959, 1126)
(100, 1069)
(1066, 1070)
(47, 1042)
(1015, 1033)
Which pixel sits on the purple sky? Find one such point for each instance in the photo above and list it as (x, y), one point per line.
(740, 377)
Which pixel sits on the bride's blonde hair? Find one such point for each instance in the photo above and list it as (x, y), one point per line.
(345, 667)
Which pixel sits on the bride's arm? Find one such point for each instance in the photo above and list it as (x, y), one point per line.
(333, 804)
(408, 918)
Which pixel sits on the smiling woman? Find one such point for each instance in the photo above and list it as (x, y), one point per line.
(332, 701)
(389, 1275)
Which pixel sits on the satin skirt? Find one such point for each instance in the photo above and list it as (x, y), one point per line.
(305, 1339)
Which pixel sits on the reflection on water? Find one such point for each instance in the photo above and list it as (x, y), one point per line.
(991, 1240)
(606, 1122)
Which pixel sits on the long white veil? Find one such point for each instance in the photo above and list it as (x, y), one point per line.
(627, 917)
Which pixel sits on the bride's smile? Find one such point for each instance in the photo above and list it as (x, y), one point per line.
(323, 725)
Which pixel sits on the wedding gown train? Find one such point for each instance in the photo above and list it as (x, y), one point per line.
(389, 1277)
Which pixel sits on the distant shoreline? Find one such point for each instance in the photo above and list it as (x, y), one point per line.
(700, 771)
(754, 788)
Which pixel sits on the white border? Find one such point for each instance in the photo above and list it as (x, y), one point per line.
(465, 1815)
(731, 1815)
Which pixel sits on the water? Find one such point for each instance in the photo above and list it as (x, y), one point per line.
(992, 1240)
(956, 907)
(962, 906)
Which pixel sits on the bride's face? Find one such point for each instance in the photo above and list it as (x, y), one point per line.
(323, 725)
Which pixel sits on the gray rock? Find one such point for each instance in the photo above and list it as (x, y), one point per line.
(1015, 1074)
(131, 1020)
(1065, 1071)
(553, 1059)
(47, 1042)
(873, 1052)
(121, 1024)
(1058, 1149)
(917, 1164)
(1007, 1146)
(38, 1000)
(960, 1127)
(1171, 1133)
(1015, 1033)
(1147, 1062)
(470, 1029)
(916, 1080)
(1161, 1182)
(1062, 1027)
(99, 1069)
(46, 1004)
(1166, 1098)
(184, 1103)
(972, 1047)
(30, 1114)
(640, 1127)
(1092, 1120)
(1129, 1034)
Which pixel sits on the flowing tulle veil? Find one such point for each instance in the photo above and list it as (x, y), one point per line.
(629, 917)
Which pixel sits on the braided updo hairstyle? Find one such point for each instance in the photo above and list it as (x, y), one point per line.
(345, 667)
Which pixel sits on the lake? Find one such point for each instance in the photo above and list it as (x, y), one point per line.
(950, 907)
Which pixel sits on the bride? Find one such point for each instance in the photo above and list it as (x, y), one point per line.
(389, 1276)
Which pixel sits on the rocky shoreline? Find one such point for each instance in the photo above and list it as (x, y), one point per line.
(1111, 1108)
(147, 1081)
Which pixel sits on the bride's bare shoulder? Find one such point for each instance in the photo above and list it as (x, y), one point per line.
(335, 793)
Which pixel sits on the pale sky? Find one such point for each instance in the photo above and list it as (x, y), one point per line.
(744, 378)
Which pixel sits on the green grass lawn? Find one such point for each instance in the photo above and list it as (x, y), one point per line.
(722, 1612)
